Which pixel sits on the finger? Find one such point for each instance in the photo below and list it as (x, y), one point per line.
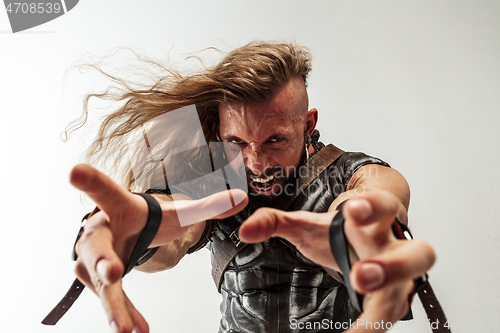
(309, 232)
(107, 194)
(382, 309)
(95, 250)
(296, 227)
(372, 206)
(216, 206)
(404, 261)
(368, 218)
(120, 313)
(140, 324)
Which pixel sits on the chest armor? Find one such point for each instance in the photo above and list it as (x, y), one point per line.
(271, 287)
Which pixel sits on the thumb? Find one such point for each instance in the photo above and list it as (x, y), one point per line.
(109, 270)
(216, 206)
(267, 222)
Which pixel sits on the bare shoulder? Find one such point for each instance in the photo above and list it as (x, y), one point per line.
(374, 176)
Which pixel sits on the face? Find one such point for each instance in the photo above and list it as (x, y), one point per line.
(271, 137)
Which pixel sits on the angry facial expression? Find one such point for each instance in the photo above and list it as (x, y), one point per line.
(271, 136)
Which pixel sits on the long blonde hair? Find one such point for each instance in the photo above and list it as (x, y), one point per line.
(252, 73)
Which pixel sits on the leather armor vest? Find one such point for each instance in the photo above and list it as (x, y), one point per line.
(270, 287)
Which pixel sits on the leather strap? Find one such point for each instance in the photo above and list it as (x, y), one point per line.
(231, 245)
(339, 247)
(225, 253)
(318, 163)
(204, 239)
(64, 304)
(148, 233)
(432, 308)
(146, 237)
(340, 250)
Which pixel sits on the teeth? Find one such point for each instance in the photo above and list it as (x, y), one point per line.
(263, 180)
(264, 187)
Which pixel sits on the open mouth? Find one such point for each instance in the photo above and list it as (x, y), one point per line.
(264, 186)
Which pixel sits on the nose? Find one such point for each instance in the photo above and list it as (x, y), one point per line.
(256, 160)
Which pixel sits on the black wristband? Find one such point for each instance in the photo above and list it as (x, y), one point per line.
(149, 232)
(340, 251)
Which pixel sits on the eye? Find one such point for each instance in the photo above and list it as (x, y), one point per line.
(273, 140)
(236, 143)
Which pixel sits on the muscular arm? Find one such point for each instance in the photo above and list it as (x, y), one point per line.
(168, 255)
(373, 177)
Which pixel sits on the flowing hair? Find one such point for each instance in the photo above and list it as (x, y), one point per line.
(252, 73)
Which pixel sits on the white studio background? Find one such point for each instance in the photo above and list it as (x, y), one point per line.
(414, 82)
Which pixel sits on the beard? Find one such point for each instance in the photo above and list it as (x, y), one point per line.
(287, 186)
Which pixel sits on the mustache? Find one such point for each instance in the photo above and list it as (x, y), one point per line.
(277, 171)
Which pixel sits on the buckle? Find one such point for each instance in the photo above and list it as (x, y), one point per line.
(234, 237)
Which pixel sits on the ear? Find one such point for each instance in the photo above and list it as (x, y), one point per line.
(311, 121)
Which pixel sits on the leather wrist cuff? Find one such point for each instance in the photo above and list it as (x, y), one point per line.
(340, 250)
(148, 233)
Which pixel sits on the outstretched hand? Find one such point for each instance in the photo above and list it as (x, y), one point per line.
(387, 266)
(110, 235)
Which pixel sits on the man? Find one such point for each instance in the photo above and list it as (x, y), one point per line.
(256, 99)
